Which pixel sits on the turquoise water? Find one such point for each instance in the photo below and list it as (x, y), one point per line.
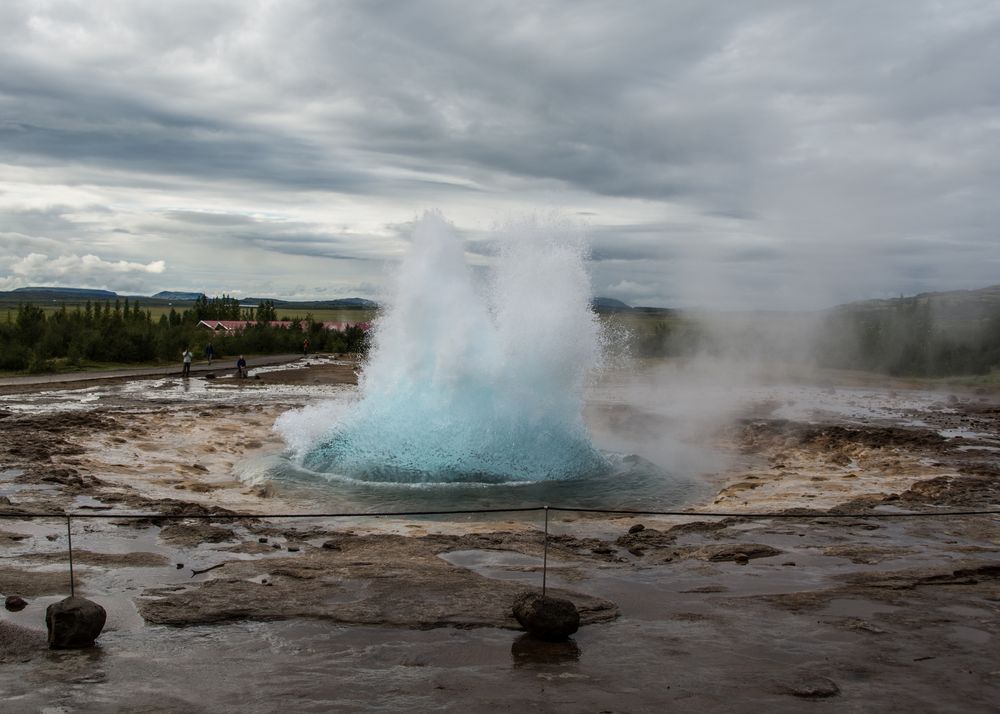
(477, 434)
(473, 378)
(624, 482)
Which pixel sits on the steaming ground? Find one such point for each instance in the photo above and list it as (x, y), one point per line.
(412, 613)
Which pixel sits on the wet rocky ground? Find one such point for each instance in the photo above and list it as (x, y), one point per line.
(829, 605)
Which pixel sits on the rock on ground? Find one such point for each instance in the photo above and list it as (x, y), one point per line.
(546, 617)
(74, 623)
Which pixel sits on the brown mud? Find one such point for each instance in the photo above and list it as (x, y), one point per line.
(733, 614)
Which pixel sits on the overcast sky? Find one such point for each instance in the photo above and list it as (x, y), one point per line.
(721, 154)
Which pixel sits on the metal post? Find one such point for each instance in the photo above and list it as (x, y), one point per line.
(69, 537)
(545, 553)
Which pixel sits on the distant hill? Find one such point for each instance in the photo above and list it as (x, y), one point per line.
(353, 303)
(47, 293)
(606, 304)
(655, 310)
(953, 308)
(176, 295)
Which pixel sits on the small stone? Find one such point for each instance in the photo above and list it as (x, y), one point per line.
(15, 603)
(814, 688)
(637, 551)
(331, 545)
(263, 490)
(276, 545)
(602, 550)
(637, 528)
(547, 618)
(741, 559)
(293, 549)
(74, 623)
(180, 565)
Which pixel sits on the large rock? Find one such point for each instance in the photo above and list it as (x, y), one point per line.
(548, 618)
(74, 623)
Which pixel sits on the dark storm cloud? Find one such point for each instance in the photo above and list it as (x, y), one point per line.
(283, 237)
(143, 147)
(314, 245)
(50, 221)
(588, 104)
(773, 136)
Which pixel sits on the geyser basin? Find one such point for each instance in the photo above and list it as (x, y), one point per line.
(469, 382)
(627, 482)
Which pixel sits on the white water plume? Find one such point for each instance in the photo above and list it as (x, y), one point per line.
(466, 384)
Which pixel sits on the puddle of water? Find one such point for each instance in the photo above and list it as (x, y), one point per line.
(967, 611)
(967, 434)
(856, 607)
(969, 635)
(13, 489)
(480, 559)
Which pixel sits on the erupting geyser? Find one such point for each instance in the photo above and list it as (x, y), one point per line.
(469, 382)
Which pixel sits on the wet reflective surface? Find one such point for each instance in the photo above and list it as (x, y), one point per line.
(692, 635)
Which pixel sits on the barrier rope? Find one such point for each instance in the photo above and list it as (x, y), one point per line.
(470, 511)
(526, 509)
(69, 539)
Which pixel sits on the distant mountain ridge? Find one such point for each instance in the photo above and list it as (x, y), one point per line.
(976, 304)
(606, 304)
(56, 293)
(352, 303)
(177, 295)
(80, 295)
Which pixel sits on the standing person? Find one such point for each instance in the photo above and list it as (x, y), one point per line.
(241, 367)
(187, 357)
(210, 353)
(305, 347)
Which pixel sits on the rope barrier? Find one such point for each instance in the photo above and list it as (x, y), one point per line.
(545, 552)
(825, 514)
(69, 538)
(526, 509)
(248, 516)
(469, 511)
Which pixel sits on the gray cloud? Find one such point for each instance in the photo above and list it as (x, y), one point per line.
(766, 152)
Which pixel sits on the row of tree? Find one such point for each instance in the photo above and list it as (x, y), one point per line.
(124, 332)
(902, 339)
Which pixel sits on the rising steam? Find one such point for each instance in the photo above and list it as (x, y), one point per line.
(467, 382)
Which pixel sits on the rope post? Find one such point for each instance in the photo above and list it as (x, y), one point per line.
(545, 553)
(69, 537)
